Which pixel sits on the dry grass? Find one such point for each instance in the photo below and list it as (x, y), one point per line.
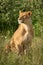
(34, 57)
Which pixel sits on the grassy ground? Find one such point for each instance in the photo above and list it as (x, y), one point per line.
(34, 57)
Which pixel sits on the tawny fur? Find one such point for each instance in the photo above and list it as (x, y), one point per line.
(23, 34)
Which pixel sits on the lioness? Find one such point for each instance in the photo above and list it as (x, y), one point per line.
(23, 34)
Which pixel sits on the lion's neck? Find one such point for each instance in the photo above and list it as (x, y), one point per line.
(28, 22)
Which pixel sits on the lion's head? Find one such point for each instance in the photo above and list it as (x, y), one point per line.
(23, 16)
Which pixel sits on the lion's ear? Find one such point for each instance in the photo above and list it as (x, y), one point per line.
(29, 13)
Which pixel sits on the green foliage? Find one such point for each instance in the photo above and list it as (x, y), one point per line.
(9, 11)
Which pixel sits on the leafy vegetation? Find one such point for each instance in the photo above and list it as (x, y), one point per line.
(9, 12)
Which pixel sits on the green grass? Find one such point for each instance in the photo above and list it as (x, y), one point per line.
(34, 57)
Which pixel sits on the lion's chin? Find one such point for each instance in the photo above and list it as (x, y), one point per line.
(19, 21)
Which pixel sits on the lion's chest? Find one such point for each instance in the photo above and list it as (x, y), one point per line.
(19, 34)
